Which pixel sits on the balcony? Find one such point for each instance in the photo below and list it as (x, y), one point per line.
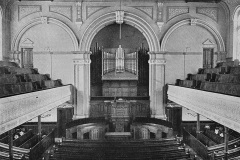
(223, 109)
(18, 109)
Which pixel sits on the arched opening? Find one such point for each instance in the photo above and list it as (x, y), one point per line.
(236, 34)
(1, 33)
(105, 80)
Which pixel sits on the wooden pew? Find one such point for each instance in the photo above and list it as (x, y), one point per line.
(41, 146)
(195, 144)
(16, 150)
(213, 136)
(205, 140)
(30, 143)
(17, 142)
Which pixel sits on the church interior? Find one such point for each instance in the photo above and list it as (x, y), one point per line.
(124, 80)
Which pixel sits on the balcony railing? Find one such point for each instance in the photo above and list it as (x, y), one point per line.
(18, 109)
(223, 109)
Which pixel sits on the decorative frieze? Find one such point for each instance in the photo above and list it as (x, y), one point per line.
(79, 11)
(92, 9)
(160, 11)
(65, 11)
(146, 9)
(176, 11)
(211, 12)
(25, 10)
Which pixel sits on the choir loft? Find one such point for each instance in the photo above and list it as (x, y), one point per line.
(105, 79)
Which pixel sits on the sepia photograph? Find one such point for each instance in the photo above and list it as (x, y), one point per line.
(119, 80)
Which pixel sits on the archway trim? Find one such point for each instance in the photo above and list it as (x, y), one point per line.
(37, 21)
(213, 31)
(129, 18)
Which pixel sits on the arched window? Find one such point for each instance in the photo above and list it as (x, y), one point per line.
(1, 33)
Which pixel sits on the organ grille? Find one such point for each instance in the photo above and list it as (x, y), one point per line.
(119, 62)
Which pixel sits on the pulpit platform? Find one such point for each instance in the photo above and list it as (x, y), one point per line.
(118, 135)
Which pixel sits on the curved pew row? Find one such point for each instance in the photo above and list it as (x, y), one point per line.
(29, 148)
(210, 152)
(148, 149)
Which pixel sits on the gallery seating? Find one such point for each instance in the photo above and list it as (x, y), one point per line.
(15, 80)
(224, 79)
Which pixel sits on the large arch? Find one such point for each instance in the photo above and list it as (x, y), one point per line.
(213, 31)
(129, 18)
(16, 41)
(236, 29)
(1, 34)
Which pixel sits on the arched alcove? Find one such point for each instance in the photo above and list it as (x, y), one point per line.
(200, 23)
(43, 21)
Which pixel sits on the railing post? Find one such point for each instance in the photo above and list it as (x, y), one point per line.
(198, 124)
(226, 143)
(39, 127)
(10, 141)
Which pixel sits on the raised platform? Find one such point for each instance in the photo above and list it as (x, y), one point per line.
(118, 135)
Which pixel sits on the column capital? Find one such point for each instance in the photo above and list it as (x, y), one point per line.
(82, 57)
(157, 61)
(81, 61)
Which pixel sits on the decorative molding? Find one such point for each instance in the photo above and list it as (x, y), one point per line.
(193, 21)
(176, 11)
(65, 11)
(27, 43)
(38, 21)
(146, 9)
(79, 11)
(157, 61)
(160, 11)
(119, 16)
(208, 44)
(25, 10)
(160, 25)
(79, 24)
(92, 9)
(201, 23)
(110, 17)
(211, 12)
(44, 20)
(81, 61)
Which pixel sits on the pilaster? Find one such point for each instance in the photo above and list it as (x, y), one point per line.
(156, 84)
(81, 98)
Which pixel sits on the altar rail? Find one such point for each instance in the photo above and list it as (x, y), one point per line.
(16, 110)
(221, 108)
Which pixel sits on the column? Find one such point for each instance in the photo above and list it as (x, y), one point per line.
(81, 91)
(156, 84)
(10, 142)
(198, 124)
(39, 127)
(226, 143)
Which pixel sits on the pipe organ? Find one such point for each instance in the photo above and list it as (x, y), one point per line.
(119, 73)
(119, 62)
